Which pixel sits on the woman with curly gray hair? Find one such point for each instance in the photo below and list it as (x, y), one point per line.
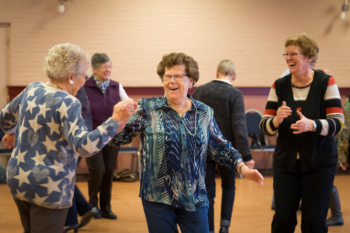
(176, 132)
(49, 134)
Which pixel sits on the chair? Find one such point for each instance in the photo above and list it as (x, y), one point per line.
(134, 151)
(259, 142)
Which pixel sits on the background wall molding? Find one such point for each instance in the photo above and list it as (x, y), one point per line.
(13, 91)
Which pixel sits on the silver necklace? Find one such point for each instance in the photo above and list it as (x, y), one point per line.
(55, 86)
(195, 122)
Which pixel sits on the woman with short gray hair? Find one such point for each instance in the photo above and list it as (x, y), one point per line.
(45, 124)
(103, 93)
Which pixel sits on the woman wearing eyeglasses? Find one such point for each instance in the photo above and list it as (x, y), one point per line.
(304, 108)
(44, 121)
(103, 93)
(176, 133)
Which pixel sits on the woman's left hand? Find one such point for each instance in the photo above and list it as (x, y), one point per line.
(302, 125)
(253, 174)
(8, 140)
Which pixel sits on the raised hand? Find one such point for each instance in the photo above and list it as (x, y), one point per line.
(302, 125)
(8, 140)
(123, 110)
(282, 112)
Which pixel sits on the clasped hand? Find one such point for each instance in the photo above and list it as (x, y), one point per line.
(302, 125)
(123, 110)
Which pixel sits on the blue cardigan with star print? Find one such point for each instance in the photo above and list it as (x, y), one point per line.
(49, 135)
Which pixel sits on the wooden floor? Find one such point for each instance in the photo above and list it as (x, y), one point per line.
(251, 213)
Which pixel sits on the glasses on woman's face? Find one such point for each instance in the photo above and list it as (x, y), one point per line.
(85, 77)
(285, 55)
(177, 77)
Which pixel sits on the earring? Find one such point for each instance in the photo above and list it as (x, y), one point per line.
(71, 82)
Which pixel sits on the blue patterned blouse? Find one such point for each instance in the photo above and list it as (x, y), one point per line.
(173, 161)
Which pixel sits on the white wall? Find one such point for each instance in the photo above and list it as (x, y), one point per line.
(136, 33)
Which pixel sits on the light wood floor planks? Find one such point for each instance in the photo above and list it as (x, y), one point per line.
(251, 213)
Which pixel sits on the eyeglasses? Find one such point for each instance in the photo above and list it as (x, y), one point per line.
(85, 77)
(291, 54)
(177, 77)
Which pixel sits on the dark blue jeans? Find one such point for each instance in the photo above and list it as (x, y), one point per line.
(228, 193)
(162, 218)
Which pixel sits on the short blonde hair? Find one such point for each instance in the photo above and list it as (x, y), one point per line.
(226, 67)
(172, 59)
(307, 44)
(63, 59)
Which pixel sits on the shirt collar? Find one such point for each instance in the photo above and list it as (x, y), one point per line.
(222, 80)
(162, 102)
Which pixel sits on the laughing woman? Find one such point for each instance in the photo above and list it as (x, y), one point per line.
(176, 133)
(304, 108)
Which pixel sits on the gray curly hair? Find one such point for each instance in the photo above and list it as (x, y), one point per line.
(63, 59)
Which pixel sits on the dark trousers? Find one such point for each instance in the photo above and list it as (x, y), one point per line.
(228, 193)
(79, 206)
(313, 188)
(38, 219)
(162, 218)
(101, 168)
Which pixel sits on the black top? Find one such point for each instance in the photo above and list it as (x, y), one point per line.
(228, 105)
(314, 149)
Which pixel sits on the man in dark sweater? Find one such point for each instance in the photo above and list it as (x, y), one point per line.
(228, 105)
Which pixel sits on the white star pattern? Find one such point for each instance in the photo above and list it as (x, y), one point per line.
(34, 123)
(64, 108)
(5, 110)
(103, 129)
(52, 185)
(22, 177)
(43, 110)
(64, 190)
(22, 128)
(20, 156)
(50, 145)
(39, 200)
(31, 105)
(20, 194)
(70, 176)
(31, 92)
(73, 127)
(53, 127)
(15, 115)
(91, 147)
(10, 122)
(82, 133)
(39, 159)
(58, 167)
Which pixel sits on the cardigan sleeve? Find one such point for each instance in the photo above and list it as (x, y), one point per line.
(266, 124)
(83, 142)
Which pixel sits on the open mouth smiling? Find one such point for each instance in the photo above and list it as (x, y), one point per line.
(173, 88)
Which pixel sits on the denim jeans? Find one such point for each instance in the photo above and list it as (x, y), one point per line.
(228, 193)
(162, 218)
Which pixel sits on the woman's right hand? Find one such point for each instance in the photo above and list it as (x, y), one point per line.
(252, 174)
(344, 165)
(282, 112)
(9, 141)
(123, 110)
